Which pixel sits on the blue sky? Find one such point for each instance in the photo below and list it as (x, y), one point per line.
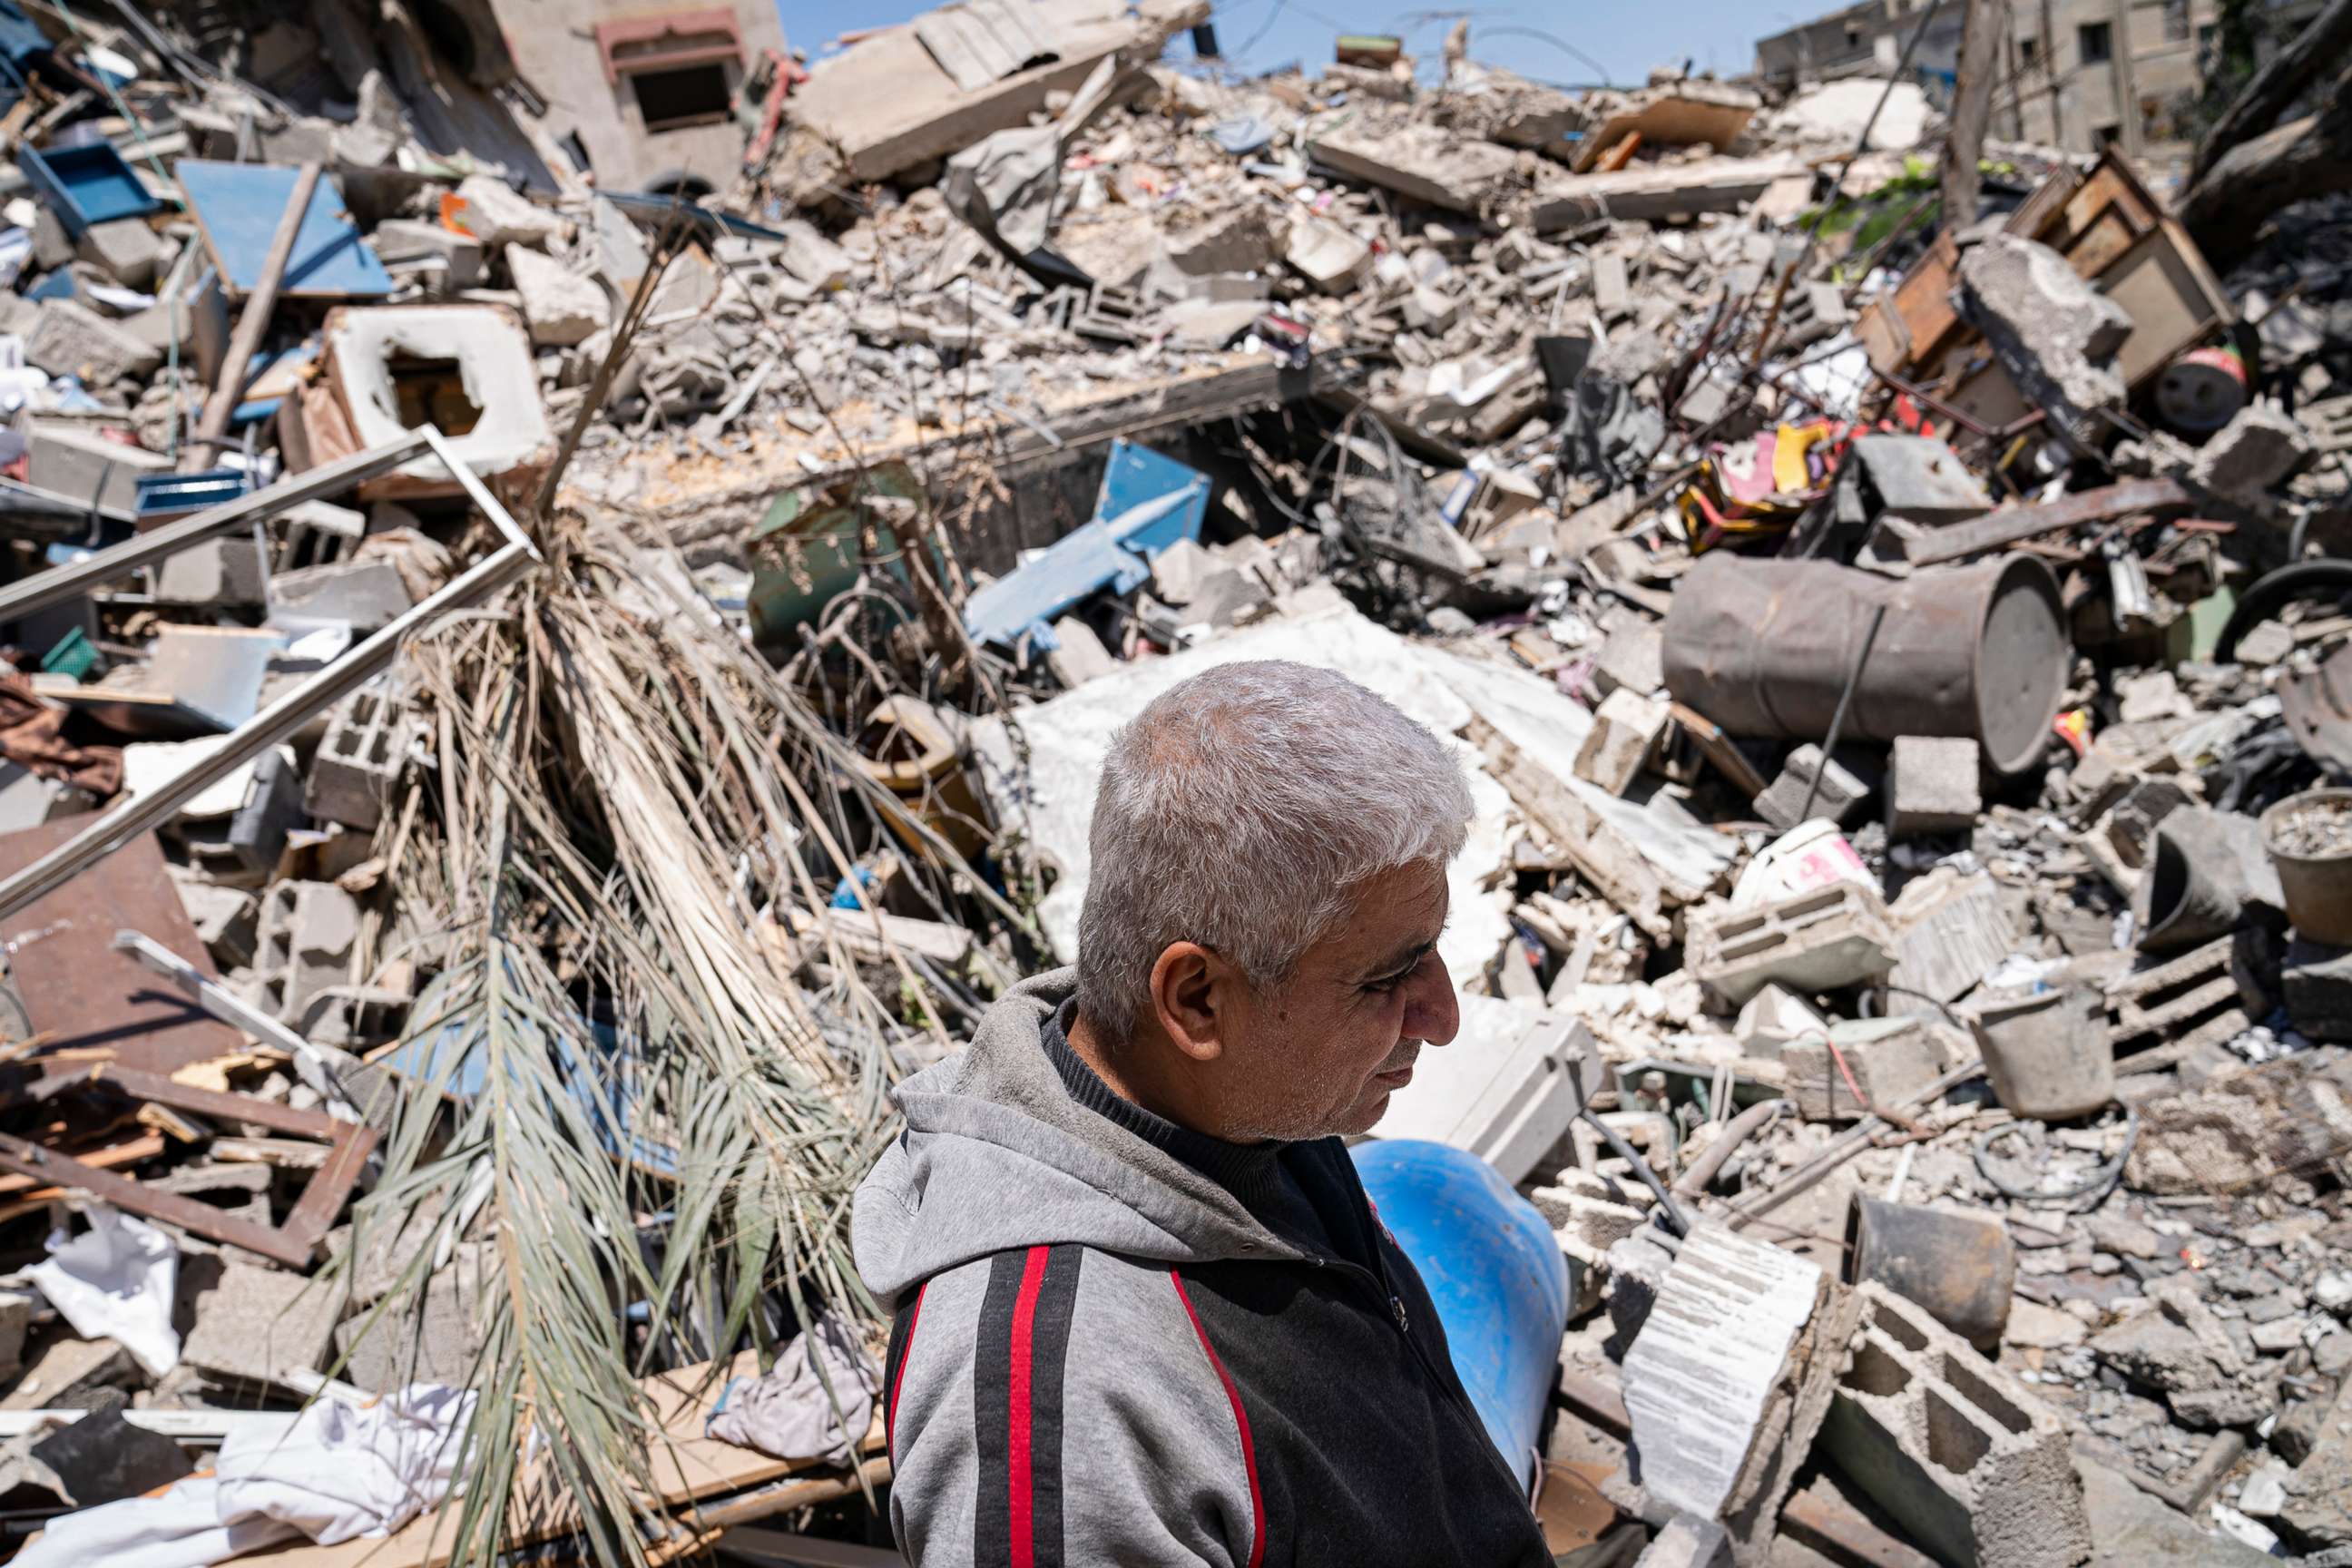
(1624, 36)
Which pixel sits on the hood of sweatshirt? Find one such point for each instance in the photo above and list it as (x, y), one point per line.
(996, 1155)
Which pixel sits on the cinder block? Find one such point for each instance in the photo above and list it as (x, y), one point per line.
(305, 947)
(1974, 1467)
(217, 572)
(1840, 798)
(1623, 737)
(1892, 1061)
(1931, 785)
(359, 761)
(1835, 936)
(71, 340)
(126, 248)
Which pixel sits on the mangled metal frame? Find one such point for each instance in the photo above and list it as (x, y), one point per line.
(293, 1244)
(116, 827)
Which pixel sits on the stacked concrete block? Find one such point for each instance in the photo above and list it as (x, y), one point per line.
(358, 761)
(1839, 798)
(1974, 1468)
(1931, 785)
(214, 573)
(1892, 1061)
(1831, 937)
(1623, 738)
(308, 930)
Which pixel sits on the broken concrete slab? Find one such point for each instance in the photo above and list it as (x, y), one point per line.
(2247, 457)
(1839, 798)
(2131, 1529)
(1422, 162)
(366, 596)
(1820, 941)
(1774, 1017)
(126, 248)
(1623, 738)
(71, 340)
(2315, 984)
(1950, 929)
(1957, 1449)
(500, 218)
(1518, 1075)
(2234, 1131)
(2181, 1349)
(1891, 1061)
(262, 1326)
(1327, 254)
(1632, 658)
(2053, 333)
(1730, 1377)
(213, 574)
(560, 306)
(82, 463)
(2316, 1513)
(1657, 191)
(456, 260)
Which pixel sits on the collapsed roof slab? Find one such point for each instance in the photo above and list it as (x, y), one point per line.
(887, 104)
(703, 499)
(1659, 190)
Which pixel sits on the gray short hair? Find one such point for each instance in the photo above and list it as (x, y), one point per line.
(1239, 810)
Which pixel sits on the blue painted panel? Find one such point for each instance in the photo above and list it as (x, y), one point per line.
(85, 185)
(1148, 501)
(1492, 1267)
(238, 206)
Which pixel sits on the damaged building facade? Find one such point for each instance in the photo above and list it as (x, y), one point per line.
(567, 581)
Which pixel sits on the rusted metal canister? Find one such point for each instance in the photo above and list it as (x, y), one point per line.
(1960, 1267)
(1764, 648)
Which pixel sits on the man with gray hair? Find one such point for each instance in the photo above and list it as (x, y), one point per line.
(1145, 1314)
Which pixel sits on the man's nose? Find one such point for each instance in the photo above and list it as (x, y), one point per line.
(1431, 1015)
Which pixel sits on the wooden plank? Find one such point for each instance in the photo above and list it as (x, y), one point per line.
(687, 1465)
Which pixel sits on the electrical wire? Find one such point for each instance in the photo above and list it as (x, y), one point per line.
(2100, 1184)
(1676, 1221)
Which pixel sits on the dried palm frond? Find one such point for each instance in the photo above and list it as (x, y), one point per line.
(616, 1096)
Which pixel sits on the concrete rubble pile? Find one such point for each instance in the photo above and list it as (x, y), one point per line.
(1905, 937)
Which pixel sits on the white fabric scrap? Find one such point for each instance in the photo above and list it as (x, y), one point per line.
(340, 1471)
(788, 1415)
(116, 1282)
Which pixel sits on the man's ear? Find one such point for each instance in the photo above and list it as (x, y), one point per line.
(1193, 991)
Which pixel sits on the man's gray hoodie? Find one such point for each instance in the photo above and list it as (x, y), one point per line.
(1101, 1356)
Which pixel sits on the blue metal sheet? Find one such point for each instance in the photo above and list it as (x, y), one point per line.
(1148, 502)
(238, 205)
(84, 185)
(1493, 1270)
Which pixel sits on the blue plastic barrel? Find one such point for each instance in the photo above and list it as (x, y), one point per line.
(1493, 1267)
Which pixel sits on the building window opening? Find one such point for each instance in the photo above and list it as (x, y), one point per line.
(687, 95)
(2096, 41)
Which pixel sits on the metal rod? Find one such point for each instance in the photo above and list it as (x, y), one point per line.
(62, 583)
(112, 829)
(1837, 720)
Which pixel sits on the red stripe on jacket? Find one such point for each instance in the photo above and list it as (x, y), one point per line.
(906, 1354)
(1017, 1456)
(1240, 1420)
